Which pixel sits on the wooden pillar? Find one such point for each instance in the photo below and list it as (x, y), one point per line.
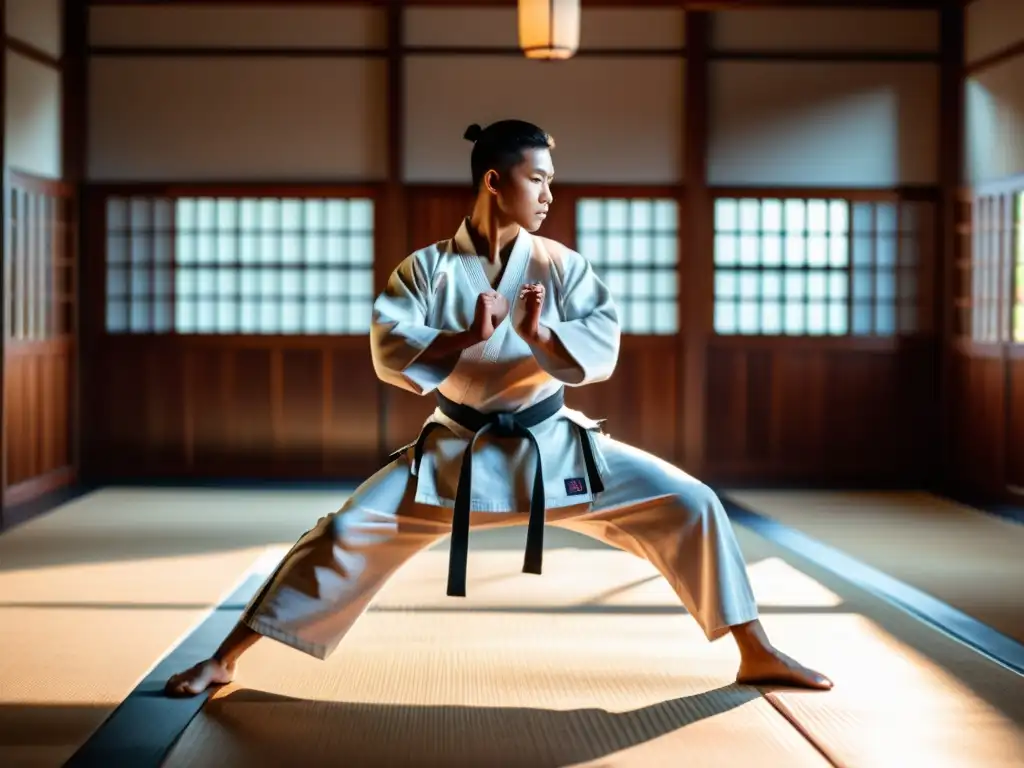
(393, 235)
(697, 275)
(74, 79)
(948, 251)
(4, 213)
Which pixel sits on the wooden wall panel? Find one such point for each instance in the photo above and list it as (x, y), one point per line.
(223, 406)
(1014, 435)
(640, 402)
(840, 411)
(988, 420)
(978, 408)
(38, 387)
(40, 345)
(435, 213)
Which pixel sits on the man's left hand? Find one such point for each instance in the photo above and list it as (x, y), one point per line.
(532, 296)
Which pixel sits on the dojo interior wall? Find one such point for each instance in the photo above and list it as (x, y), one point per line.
(987, 347)
(173, 99)
(343, 100)
(40, 302)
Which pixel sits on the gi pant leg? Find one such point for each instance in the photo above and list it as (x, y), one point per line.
(656, 511)
(327, 580)
(649, 508)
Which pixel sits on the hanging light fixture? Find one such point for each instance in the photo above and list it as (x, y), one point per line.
(549, 29)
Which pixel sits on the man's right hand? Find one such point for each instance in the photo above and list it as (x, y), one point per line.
(491, 309)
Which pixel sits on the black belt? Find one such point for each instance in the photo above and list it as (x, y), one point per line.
(501, 424)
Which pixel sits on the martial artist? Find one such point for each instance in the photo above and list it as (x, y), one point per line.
(494, 323)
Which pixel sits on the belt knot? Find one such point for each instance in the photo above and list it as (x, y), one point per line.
(505, 425)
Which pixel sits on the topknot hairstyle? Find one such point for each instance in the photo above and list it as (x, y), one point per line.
(500, 146)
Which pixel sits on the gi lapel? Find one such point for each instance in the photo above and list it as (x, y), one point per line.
(508, 286)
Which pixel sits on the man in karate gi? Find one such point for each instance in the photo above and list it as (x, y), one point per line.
(495, 323)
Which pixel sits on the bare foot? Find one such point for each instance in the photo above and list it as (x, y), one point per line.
(197, 679)
(776, 668)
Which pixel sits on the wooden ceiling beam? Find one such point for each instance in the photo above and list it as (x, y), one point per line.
(696, 5)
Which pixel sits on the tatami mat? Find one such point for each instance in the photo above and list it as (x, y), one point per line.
(968, 559)
(94, 593)
(906, 694)
(591, 664)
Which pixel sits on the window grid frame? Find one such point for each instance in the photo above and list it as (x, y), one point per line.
(1017, 273)
(903, 306)
(40, 263)
(990, 296)
(171, 266)
(601, 266)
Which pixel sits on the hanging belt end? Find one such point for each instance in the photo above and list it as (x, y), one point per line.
(532, 565)
(456, 587)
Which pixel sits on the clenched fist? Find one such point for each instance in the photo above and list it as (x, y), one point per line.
(532, 296)
(491, 311)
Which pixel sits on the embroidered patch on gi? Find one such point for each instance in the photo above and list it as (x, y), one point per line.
(575, 486)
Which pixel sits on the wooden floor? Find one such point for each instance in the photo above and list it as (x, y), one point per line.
(592, 664)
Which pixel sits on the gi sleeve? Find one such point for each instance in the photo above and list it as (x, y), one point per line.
(399, 333)
(588, 327)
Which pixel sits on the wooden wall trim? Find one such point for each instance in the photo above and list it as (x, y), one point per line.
(206, 52)
(39, 184)
(996, 58)
(691, 5)
(968, 347)
(30, 51)
(38, 486)
(917, 192)
(1003, 186)
(566, 191)
(360, 53)
(238, 189)
(853, 57)
(884, 344)
(232, 188)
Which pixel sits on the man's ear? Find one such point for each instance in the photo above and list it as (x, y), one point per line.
(491, 181)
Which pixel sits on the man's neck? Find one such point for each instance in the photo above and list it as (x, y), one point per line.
(486, 232)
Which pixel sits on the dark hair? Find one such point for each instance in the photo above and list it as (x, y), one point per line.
(500, 146)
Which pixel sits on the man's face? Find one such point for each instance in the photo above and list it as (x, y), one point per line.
(525, 195)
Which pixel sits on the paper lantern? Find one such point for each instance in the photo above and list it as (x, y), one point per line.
(549, 29)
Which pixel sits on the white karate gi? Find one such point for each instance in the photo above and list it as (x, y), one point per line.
(648, 506)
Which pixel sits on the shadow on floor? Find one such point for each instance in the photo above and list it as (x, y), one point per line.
(264, 727)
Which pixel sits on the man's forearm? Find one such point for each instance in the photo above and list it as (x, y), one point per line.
(551, 346)
(448, 345)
